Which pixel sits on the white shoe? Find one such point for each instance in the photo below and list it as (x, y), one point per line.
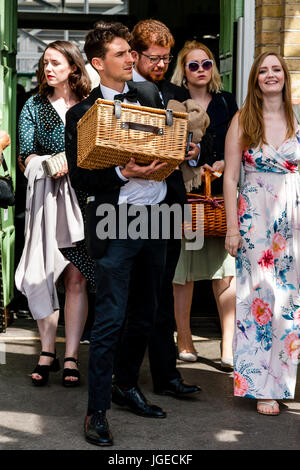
(188, 356)
(226, 364)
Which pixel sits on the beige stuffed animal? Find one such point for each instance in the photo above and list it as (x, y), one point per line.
(198, 122)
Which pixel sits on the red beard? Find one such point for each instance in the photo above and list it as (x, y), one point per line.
(152, 77)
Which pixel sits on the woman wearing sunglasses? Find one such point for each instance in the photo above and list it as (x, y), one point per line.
(196, 70)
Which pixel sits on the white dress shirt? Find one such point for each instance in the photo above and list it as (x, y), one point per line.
(137, 77)
(136, 191)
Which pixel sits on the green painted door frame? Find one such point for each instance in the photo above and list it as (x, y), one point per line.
(230, 11)
(8, 95)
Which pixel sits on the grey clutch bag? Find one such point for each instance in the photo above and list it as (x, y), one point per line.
(54, 164)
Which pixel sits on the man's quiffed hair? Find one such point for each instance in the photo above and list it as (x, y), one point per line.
(103, 33)
(148, 32)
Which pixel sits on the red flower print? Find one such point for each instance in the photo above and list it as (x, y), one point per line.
(292, 346)
(297, 317)
(278, 244)
(242, 206)
(267, 259)
(248, 158)
(290, 166)
(261, 311)
(240, 385)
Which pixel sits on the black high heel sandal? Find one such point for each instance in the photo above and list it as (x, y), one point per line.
(44, 370)
(71, 373)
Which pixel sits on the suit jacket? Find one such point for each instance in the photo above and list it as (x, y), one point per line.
(170, 91)
(104, 184)
(176, 189)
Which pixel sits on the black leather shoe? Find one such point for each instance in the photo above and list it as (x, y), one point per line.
(96, 429)
(177, 388)
(135, 400)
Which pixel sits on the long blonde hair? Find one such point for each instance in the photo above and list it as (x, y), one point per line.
(178, 77)
(251, 115)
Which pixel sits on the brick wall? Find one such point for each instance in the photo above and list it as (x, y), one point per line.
(277, 29)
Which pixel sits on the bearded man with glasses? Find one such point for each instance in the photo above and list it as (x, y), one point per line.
(151, 44)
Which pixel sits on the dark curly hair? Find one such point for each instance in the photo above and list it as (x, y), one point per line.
(79, 80)
(103, 33)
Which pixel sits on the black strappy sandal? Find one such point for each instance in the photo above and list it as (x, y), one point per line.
(44, 370)
(71, 373)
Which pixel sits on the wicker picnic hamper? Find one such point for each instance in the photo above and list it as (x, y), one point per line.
(213, 217)
(110, 133)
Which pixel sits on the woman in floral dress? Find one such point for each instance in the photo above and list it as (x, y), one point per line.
(265, 237)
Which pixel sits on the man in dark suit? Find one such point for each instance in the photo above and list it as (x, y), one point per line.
(151, 44)
(108, 51)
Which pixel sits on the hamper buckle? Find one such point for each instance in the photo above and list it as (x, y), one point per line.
(118, 108)
(169, 117)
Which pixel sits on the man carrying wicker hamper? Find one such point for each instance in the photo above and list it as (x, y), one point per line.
(108, 51)
(151, 43)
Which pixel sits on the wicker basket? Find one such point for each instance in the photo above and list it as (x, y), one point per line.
(110, 133)
(213, 214)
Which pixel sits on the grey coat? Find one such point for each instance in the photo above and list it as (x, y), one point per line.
(53, 221)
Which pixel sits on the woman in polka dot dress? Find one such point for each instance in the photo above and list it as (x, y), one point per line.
(63, 83)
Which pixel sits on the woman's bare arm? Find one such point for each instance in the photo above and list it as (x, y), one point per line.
(233, 158)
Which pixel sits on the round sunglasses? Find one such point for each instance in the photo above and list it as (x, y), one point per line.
(205, 64)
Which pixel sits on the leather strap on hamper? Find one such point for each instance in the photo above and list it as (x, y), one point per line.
(142, 127)
(118, 112)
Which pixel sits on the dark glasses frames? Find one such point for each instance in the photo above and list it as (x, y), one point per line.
(155, 59)
(205, 64)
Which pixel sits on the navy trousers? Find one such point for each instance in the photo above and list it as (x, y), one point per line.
(113, 272)
(162, 348)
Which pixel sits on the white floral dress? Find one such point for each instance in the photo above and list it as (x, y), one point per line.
(267, 333)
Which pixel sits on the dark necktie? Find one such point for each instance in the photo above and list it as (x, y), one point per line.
(131, 95)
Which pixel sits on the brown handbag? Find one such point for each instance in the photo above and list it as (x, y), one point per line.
(213, 216)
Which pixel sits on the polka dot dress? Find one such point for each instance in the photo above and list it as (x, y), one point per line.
(42, 131)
